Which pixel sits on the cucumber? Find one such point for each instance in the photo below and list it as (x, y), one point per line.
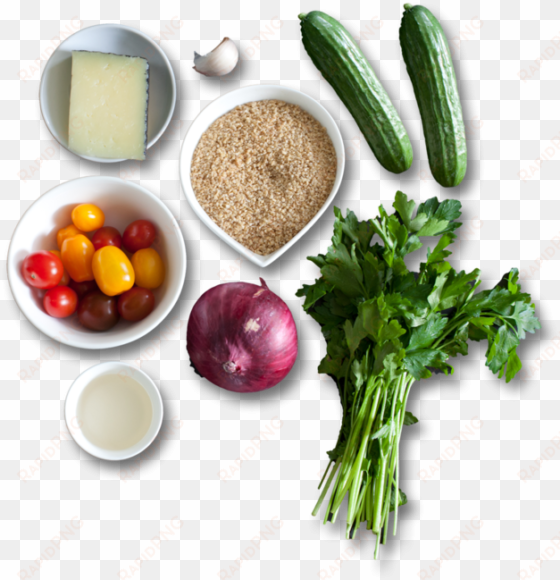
(430, 67)
(342, 63)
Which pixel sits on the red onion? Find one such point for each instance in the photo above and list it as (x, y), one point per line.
(242, 337)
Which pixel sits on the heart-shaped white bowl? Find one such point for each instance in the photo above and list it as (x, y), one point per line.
(226, 103)
(122, 203)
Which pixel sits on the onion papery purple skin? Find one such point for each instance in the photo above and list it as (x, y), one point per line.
(242, 337)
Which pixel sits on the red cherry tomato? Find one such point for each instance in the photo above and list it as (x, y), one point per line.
(97, 311)
(139, 235)
(60, 302)
(106, 236)
(136, 303)
(82, 288)
(42, 270)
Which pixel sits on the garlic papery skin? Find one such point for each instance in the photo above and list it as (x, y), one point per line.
(218, 62)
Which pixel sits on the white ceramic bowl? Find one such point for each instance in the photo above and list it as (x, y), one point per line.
(122, 202)
(54, 92)
(73, 421)
(220, 107)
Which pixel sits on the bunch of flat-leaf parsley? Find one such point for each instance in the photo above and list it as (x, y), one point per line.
(385, 328)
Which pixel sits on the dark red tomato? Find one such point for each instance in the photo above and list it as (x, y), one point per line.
(97, 311)
(136, 303)
(60, 302)
(42, 270)
(139, 235)
(106, 236)
(82, 288)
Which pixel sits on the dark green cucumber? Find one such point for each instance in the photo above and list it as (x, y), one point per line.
(430, 67)
(342, 63)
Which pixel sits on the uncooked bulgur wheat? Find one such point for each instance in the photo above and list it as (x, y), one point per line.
(262, 171)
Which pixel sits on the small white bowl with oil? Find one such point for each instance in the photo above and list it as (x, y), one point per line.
(115, 411)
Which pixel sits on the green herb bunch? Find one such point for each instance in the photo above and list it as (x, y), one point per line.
(387, 327)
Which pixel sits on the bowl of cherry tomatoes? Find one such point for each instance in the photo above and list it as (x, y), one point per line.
(97, 262)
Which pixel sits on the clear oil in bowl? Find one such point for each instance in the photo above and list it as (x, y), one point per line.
(115, 412)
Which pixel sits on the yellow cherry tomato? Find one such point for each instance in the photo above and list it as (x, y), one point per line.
(88, 217)
(65, 278)
(67, 232)
(77, 253)
(112, 270)
(149, 268)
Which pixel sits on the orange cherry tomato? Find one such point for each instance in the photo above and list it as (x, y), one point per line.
(112, 270)
(67, 232)
(77, 254)
(65, 280)
(149, 268)
(88, 217)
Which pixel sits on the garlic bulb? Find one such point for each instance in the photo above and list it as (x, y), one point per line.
(218, 62)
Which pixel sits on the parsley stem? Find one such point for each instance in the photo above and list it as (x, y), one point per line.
(326, 488)
(403, 411)
(324, 475)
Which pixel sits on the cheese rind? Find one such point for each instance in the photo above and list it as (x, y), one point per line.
(108, 105)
